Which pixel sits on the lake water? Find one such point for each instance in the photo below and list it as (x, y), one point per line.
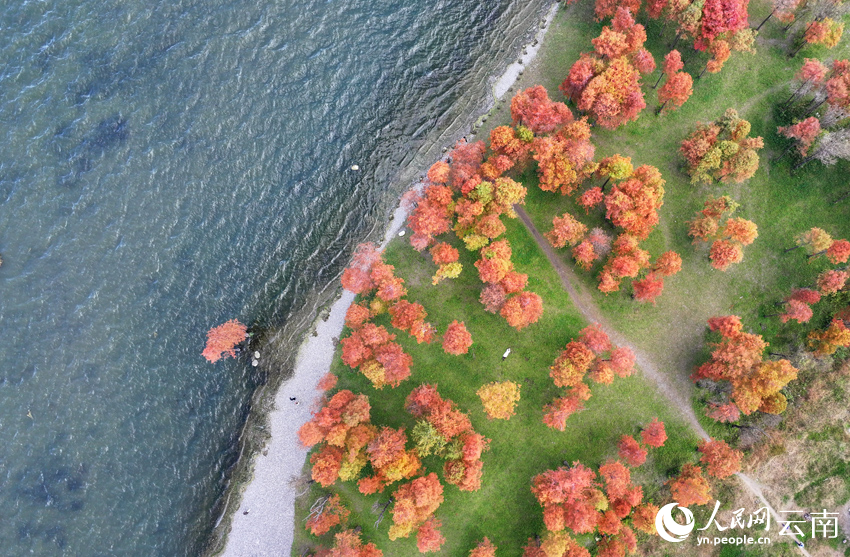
(165, 167)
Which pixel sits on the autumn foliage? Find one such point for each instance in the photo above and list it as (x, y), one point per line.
(566, 230)
(565, 159)
(804, 133)
(499, 399)
(728, 234)
(814, 241)
(679, 85)
(722, 150)
(826, 342)
(348, 544)
(372, 350)
(632, 204)
(592, 354)
(798, 305)
(713, 25)
(457, 339)
(428, 537)
(415, 503)
(826, 32)
(485, 548)
(720, 459)
(690, 487)
(223, 340)
(446, 257)
(577, 500)
(469, 195)
(450, 435)
(343, 429)
(738, 359)
(328, 515)
(391, 461)
(605, 84)
(533, 109)
(522, 310)
(631, 451)
(654, 434)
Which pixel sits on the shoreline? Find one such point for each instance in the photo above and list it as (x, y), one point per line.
(264, 522)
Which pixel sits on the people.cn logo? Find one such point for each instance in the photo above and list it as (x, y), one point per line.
(671, 530)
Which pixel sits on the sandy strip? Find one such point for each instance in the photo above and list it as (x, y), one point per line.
(513, 71)
(263, 524)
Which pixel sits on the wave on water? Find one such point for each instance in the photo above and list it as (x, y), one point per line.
(165, 168)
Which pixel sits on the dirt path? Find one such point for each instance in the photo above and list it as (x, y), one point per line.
(674, 390)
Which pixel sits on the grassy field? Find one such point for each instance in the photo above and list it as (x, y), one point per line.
(671, 332)
(504, 509)
(780, 203)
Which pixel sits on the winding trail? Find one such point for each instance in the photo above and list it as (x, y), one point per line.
(675, 390)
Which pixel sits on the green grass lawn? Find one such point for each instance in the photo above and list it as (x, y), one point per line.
(781, 204)
(671, 332)
(504, 509)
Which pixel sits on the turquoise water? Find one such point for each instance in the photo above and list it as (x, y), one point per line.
(166, 167)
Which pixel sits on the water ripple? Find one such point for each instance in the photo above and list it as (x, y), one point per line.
(165, 167)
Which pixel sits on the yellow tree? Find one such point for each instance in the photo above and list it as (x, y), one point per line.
(499, 399)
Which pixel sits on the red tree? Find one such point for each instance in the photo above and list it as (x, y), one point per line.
(804, 133)
(830, 282)
(343, 425)
(654, 434)
(690, 487)
(405, 314)
(724, 253)
(668, 264)
(327, 382)
(457, 339)
(564, 160)
(649, 288)
(633, 204)
(607, 82)
(533, 109)
(356, 316)
(356, 277)
(348, 544)
(591, 198)
(522, 310)
(679, 85)
(796, 310)
(485, 548)
(223, 340)
(446, 257)
(720, 459)
(630, 450)
(566, 230)
(415, 502)
(493, 296)
(838, 252)
(737, 358)
(329, 514)
(428, 537)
